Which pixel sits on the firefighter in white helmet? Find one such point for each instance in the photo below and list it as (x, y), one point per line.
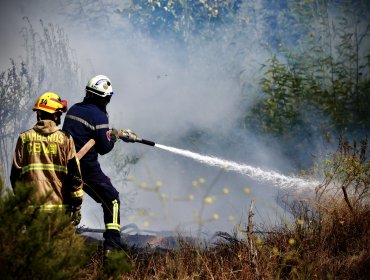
(89, 120)
(45, 157)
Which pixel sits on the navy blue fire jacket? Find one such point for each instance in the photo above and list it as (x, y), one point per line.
(85, 121)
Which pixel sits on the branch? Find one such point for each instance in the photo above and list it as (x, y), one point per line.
(346, 198)
(364, 34)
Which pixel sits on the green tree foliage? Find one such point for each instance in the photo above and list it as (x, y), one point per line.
(316, 81)
(347, 174)
(179, 19)
(35, 244)
(318, 84)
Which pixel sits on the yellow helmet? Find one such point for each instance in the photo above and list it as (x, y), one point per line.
(50, 102)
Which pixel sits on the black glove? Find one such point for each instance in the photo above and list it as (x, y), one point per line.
(76, 215)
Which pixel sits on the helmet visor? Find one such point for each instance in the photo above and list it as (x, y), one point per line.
(63, 103)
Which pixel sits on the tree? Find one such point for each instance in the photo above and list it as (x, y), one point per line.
(319, 85)
(47, 64)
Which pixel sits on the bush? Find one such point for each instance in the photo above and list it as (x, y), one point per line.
(35, 244)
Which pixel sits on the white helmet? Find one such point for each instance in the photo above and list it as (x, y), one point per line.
(100, 85)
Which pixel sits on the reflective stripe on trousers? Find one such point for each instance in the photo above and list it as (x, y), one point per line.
(78, 193)
(114, 225)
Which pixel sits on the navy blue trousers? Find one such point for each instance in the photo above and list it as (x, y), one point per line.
(100, 188)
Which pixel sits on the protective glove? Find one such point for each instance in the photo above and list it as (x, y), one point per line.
(76, 215)
(113, 134)
(127, 135)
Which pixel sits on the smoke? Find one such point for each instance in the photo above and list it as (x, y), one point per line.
(191, 98)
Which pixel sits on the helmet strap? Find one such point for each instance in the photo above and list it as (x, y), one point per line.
(89, 94)
(38, 117)
(56, 117)
(101, 102)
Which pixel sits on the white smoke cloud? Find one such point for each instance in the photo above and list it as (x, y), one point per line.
(162, 93)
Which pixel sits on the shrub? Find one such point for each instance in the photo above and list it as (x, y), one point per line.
(35, 244)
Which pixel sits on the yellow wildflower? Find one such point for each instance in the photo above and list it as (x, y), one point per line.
(158, 183)
(209, 200)
(247, 190)
(164, 196)
(231, 218)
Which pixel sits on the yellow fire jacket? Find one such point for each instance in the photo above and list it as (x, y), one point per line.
(45, 156)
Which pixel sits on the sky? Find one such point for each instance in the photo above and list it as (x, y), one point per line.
(189, 99)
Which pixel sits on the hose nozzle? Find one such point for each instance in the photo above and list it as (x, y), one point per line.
(130, 137)
(144, 141)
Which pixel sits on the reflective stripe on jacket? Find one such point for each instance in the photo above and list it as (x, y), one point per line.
(42, 166)
(49, 208)
(85, 121)
(42, 156)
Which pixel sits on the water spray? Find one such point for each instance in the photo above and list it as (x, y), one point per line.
(256, 173)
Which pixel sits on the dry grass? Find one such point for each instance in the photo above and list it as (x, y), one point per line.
(335, 247)
(328, 239)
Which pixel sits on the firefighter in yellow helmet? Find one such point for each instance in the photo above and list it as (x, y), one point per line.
(45, 157)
